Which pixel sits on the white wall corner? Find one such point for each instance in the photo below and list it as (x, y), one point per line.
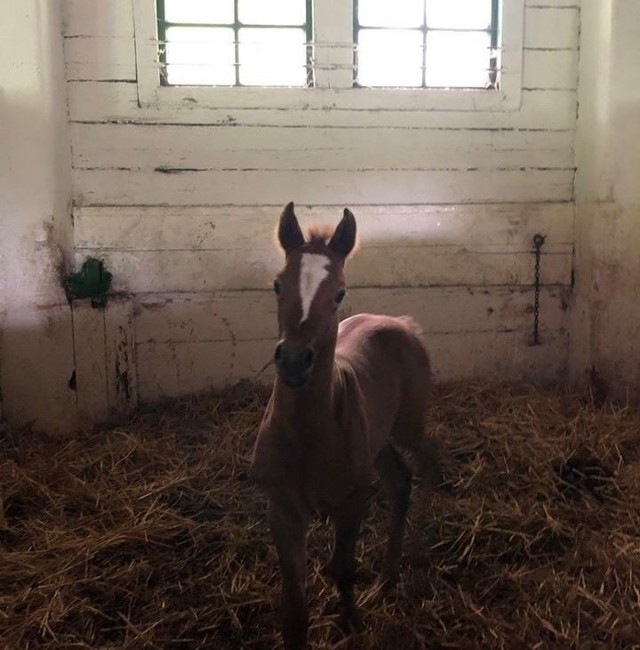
(35, 220)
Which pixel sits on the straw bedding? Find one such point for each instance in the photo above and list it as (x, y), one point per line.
(150, 535)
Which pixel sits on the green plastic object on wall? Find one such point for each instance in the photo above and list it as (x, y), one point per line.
(91, 281)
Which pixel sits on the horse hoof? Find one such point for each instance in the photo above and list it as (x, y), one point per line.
(351, 620)
(388, 580)
(333, 607)
(349, 616)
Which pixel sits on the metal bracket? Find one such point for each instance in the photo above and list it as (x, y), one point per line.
(91, 281)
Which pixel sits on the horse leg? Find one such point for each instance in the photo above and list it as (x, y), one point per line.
(409, 435)
(396, 481)
(342, 566)
(429, 470)
(289, 522)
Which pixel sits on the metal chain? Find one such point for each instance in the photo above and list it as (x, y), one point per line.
(538, 241)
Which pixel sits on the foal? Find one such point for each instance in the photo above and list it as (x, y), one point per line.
(345, 394)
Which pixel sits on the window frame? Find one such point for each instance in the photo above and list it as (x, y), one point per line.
(236, 25)
(424, 29)
(333, 24)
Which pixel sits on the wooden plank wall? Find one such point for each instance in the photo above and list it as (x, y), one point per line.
(181, 203)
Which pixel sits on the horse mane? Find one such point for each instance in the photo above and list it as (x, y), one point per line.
(319, 233)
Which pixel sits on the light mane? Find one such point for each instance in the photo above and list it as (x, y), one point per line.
(319, 233)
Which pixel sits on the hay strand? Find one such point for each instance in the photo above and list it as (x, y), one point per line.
(149, 535)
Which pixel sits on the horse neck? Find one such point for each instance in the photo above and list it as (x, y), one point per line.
(309, 406)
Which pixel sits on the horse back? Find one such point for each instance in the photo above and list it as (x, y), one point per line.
(375, 341)
(392, 367)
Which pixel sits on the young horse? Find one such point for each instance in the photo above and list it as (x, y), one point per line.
(344, 396)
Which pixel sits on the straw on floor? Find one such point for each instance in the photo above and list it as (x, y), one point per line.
(150, 535)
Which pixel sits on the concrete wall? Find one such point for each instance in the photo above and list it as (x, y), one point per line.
(606, 331)
(36, 352)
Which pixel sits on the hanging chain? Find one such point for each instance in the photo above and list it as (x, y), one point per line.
(538, 241)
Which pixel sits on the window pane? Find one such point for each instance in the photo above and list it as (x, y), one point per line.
(200, 55)
(280, 12)
(273, 57)
(457, 59)
(390, 57)
(199, 11)
(398, 13)
(459, 14)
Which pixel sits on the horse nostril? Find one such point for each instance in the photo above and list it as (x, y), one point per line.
(277, 355)
(308, 357)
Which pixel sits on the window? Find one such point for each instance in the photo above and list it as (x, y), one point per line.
(234, 42)
(337, 54)
(426, 43)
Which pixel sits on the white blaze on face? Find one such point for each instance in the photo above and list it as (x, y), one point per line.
(313, 270)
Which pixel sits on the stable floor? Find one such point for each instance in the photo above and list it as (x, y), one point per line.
(150, 534)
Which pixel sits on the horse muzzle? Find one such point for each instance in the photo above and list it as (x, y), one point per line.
(294, 363)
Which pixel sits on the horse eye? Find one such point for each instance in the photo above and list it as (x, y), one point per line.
(277, 287)
(340, 296)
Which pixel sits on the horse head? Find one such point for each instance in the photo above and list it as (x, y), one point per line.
(309, 290)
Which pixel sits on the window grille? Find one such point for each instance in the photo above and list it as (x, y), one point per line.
(426, 43)
(234, 42)
(403, 43)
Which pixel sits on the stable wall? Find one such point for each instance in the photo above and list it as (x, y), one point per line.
(36, 346)
(606, 330)
(181, 204)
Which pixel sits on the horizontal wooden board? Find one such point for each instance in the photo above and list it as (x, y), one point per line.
(143, 187)
(497, 227)
(143, 271)
(175, 369)
(547, 27)
(552, 69)
(500, 356)
(194, 343)
(252, 315)
(206, 249)
(553, 4)
(103, 102)
(143, 146)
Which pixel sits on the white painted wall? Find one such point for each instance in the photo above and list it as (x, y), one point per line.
(36, 352)
(606, 329)
(181, 203)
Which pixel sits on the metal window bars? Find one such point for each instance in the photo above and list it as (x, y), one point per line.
(311, 65)
(163, 24)
(492, 30)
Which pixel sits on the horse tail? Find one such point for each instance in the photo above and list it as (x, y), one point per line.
(416, 329)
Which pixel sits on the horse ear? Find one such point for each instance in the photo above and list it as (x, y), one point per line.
(289, 234)
(344, 237)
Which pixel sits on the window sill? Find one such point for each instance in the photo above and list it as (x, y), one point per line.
(326, 99)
